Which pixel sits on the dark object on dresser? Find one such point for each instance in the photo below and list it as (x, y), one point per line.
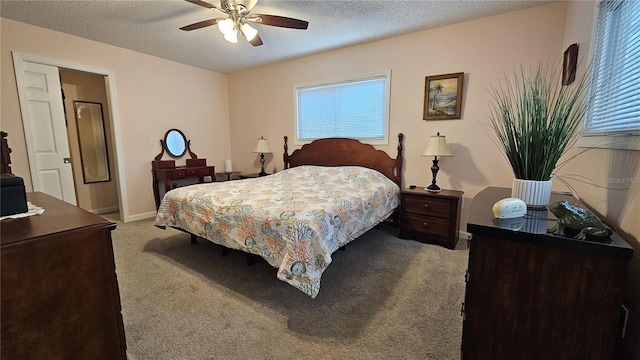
(578, 222)
(5, 152)
(13, 197)
(60, 297)
(430, 217)
(533, 295)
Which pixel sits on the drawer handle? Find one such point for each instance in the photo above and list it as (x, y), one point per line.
(426, 205)
(425, 225)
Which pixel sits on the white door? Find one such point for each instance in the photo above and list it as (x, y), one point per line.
(45, 129)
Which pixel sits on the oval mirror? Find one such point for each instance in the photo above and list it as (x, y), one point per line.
(175, 143)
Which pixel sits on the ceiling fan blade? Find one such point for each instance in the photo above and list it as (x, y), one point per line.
(280, 21)
(201, 3)
(199, 25)
(256, 41)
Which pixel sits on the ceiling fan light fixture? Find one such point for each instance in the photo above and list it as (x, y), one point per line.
(226, 26)
(238, 19)
(232, 36)
(248, 31)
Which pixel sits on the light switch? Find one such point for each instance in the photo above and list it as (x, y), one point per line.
(151, 142)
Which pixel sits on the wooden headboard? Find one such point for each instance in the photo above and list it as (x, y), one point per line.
(346, 152)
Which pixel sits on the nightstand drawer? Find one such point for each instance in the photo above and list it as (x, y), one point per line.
(430, 206)
(430, 217)
(426, 225)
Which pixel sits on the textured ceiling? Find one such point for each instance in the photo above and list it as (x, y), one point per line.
(152, 26)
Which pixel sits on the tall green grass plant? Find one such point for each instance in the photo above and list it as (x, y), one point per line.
(535, 119)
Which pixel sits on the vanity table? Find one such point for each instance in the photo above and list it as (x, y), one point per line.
(535, 295)
(166, 175)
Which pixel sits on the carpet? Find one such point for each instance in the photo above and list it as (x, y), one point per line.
(381, 298)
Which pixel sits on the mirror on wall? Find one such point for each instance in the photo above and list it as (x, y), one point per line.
(92, 139)
(175, 143)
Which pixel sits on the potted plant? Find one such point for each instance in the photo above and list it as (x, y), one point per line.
(535, 120)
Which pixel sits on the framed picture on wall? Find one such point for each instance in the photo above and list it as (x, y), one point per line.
(569, 64)
(443, 96)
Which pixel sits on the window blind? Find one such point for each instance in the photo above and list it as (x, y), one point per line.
(615, 79)
(355, 108)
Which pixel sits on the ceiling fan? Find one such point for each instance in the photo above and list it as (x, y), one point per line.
(238, 19)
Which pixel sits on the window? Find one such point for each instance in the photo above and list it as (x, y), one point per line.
(615, 80)
(356, 108)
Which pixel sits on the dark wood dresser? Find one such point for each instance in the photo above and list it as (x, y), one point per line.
(59, 291)
(430, 217)
(533, 295)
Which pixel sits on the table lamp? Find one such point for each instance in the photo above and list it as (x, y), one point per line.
(262, 147)
(437, 146)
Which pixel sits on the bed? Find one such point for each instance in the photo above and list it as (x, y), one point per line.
(330, 192)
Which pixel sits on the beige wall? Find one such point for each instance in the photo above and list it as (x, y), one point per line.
(98, 197)
(262, 104)
(262, 99)
(616, 174)
(152, 96)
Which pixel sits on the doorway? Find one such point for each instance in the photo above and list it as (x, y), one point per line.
(89, 131)
(34, 134)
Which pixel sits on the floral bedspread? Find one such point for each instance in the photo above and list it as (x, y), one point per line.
(294, 219)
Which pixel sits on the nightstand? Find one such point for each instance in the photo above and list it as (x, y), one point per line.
(430, 217)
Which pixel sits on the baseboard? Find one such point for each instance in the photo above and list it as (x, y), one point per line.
(106, 210)
(142, 216)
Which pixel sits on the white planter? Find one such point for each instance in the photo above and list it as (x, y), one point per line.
(535, 194)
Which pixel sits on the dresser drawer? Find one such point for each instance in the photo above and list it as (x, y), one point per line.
(192, 172)
(163, 164)
(205, 171)
(196, 162)
(429, 206)
(179, 174)
(426, 225)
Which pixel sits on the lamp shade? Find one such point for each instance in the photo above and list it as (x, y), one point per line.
(437, 146)
(262, 147)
